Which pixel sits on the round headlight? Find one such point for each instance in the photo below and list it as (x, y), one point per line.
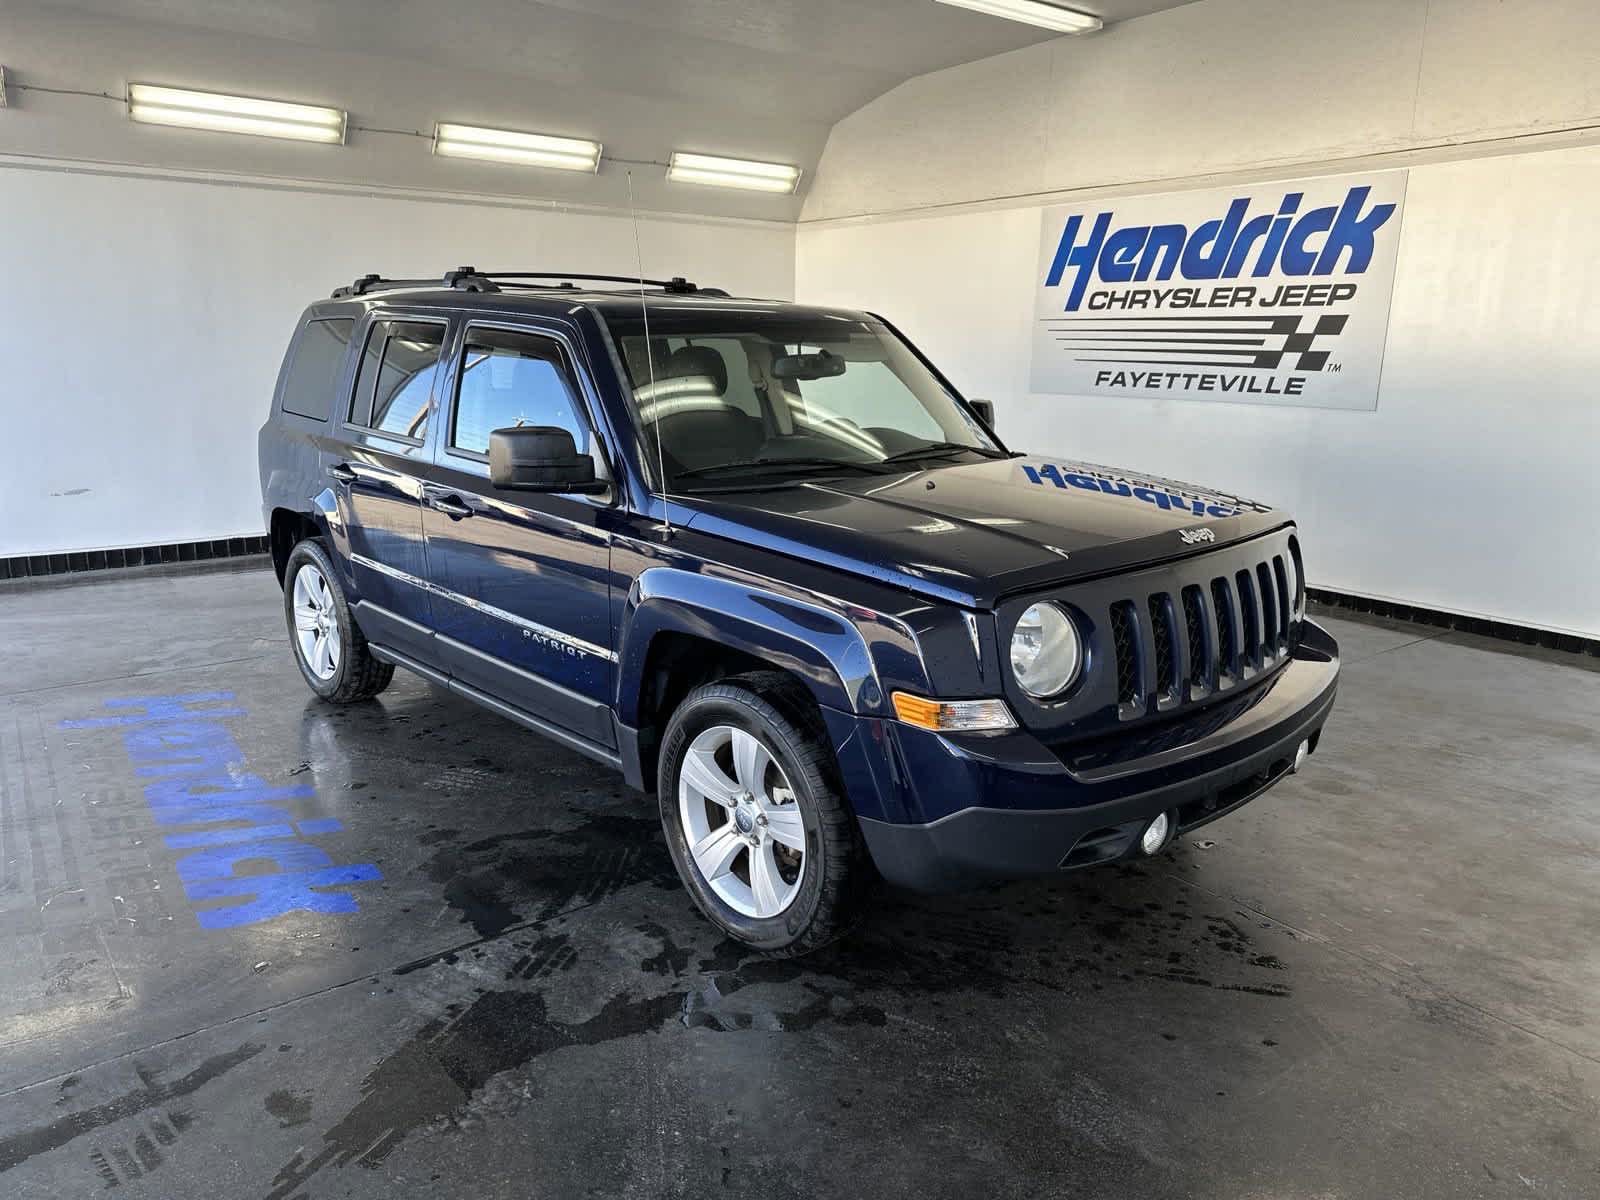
(1045, 651)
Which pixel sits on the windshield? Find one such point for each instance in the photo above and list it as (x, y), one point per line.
(749, 397)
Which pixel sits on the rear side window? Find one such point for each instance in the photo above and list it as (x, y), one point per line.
(396, 381)
(510, 379)
(318, 357)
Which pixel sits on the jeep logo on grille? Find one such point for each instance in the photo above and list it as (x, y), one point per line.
(1191, 536)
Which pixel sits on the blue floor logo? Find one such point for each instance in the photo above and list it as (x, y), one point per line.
(198, 779)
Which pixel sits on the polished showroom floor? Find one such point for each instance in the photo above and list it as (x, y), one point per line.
(1380, 980)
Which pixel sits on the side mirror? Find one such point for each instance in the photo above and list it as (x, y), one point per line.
(540, 458)
(985, 411)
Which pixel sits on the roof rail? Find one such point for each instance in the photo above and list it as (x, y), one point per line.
(373, 283)
(470, 279)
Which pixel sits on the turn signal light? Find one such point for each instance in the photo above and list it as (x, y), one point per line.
(953, 716)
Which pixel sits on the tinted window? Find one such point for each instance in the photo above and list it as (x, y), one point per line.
(314, 368)
(396, 381)
(510, 379)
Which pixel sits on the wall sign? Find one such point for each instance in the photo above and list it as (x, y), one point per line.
(1268, 294)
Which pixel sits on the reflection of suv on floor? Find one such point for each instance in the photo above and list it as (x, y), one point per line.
(767, 562)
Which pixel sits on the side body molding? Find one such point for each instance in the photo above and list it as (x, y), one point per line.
(822, 647)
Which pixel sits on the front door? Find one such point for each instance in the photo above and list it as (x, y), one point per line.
(377, 479)
(520, 580)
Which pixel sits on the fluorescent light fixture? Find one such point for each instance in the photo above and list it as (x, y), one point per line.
(156, 105)
(529, 149)
(1034, 12)
(733, 173)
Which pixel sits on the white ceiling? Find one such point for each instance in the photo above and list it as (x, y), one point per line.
(815, 60)
(764, 79)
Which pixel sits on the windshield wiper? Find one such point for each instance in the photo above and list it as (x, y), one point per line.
(759, 464)
(939, 450)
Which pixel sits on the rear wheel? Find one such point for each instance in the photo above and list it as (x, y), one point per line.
(759, 830)
(333, 656)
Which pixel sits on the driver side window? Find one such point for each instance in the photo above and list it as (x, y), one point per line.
(508, 379)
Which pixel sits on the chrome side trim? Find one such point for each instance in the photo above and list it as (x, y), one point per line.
(552, 638)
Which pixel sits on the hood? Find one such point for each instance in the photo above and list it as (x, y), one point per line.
(972, 533)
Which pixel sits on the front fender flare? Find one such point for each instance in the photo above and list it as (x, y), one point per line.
(821, 647)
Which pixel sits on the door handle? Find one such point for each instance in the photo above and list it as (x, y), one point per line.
(343, 472)
(452, 506)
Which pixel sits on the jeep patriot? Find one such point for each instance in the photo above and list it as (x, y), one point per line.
(767, 562)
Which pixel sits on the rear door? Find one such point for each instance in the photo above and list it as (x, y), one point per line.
(521, 580)
(385, 442)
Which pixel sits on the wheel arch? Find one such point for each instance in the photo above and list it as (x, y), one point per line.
(684, 629)
(287, 527)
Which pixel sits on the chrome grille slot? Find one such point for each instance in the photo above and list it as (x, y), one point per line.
(1125, 639)
(1161, 629)
(1200, 652)
(1249, 622)
(1297, 568)
(1227, 622)
(1269, 612)
(1285, 613)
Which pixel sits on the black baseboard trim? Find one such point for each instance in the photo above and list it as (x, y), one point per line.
(1503, 630)
(32, 566)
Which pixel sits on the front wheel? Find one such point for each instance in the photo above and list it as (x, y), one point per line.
(333, 656)
(759, 831)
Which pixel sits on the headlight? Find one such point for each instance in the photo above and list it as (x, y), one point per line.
(1045, 651)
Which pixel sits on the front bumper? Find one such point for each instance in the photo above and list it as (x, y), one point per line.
(949, 812)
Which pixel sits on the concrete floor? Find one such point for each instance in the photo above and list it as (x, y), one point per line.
(1378, 981)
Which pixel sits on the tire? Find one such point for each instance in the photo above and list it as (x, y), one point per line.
(312, 593)
(818, 900)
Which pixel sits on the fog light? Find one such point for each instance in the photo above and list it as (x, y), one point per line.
(1155, 834)
(1301, 753)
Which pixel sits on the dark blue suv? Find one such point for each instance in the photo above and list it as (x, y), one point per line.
(766, 561)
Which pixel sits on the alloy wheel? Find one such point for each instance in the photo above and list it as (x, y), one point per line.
(742, 821)
(316, 622)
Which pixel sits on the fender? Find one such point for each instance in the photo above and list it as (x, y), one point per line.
(823, 648)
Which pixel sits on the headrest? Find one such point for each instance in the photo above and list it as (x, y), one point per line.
(688, 361)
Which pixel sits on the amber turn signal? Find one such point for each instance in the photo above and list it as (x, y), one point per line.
(953, 716)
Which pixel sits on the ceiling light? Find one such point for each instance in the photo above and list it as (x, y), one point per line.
(529, 149)
(733, 172)
(234, 114)
(1034, 12)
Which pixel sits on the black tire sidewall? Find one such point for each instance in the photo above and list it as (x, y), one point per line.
(723, 704)
(310, 552)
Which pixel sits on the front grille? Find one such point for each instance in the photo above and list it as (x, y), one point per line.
(1234, 626)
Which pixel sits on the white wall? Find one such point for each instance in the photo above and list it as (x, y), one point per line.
(143, 318)
(1472, 486)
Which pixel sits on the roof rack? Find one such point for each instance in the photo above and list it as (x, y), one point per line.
(470, 279)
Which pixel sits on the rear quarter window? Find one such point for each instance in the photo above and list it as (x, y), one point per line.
(315, 362)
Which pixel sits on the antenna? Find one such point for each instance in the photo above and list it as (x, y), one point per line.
(650, 358)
